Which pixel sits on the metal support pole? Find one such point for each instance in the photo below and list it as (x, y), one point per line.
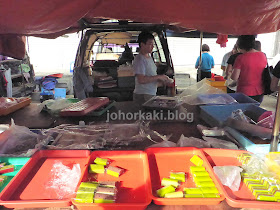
(200, 59)
(275, 131)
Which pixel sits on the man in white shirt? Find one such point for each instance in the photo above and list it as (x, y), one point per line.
(225, 59)
(146, 77)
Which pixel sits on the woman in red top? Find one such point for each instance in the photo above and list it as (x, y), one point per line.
(248, 68)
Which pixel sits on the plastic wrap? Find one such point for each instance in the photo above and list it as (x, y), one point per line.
(206, 131)
(239, 115)
(162, 102)
(64, 179)
(20, 141)
(192, 142)
(229, 176)
(99, 136)
(55, 106)
(164, 144)
(218, 143)
(202, 93)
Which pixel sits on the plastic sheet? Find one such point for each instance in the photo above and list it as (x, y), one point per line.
(211, 131)
(218, 143)
(64, 180)
(229, 176)
(100, 136)
(192, 142)
(55, 106)
(20, 141)
(202, 93)
(164, 144)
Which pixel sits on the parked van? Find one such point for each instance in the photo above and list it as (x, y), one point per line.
(109, 50)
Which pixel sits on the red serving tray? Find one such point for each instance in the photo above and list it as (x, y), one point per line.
(22, 102)
(28, 189)
(135, 190)
(164, 160)
(84, 106)
(243, 198)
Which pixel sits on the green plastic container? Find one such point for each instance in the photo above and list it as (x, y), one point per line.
(18, 163)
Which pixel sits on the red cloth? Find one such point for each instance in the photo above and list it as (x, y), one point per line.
(222, 40)
(251, 66)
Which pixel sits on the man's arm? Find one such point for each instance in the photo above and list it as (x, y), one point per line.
(142, 79)
(197, 62)
(228, 70)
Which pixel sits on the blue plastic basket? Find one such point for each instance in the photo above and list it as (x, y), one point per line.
(226, 98)
(217, 115)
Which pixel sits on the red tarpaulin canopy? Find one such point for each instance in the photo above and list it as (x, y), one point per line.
(53, 18)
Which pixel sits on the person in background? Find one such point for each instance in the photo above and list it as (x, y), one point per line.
(82, 82)
(248, 68)
(231, 85)
(275, 77)
(258, 46)
(225, 59)
(207, 62)
(146, 78)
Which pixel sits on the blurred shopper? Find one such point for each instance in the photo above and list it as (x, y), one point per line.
(275, 78)
(225, 59)
(258, 46)
(207, 62)
(248, 68)
(231, 84)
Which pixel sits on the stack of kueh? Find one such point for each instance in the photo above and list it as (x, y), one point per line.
(262, 186)
(99, 192)
(205, 187)
(5, 169)
(96, 192)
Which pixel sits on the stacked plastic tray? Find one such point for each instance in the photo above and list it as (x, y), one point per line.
(9, 105)
(139, 183)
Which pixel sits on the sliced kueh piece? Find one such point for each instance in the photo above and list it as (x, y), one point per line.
(106, 190)
(103, 198)
(114, 171)
(107, 183)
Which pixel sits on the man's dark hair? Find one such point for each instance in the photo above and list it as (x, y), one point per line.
(205, 47)
(144, 36)
(258, 46)
(246, 42)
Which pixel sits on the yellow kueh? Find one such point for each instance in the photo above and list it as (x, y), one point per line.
(178, 194)
(196, 160)
(101, 161)
(164, 190)
(98, 169)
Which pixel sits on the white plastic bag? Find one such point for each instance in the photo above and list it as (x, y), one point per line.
(229, 176)
(64, 180)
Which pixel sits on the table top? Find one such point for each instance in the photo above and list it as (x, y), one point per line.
(121, 113)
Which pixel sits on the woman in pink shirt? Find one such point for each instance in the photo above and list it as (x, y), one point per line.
(248, 68)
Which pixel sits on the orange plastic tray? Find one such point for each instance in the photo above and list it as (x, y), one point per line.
(135, 190)
(84, 106)
(164, 160)
(28, 188)
(243, 198)
(15, 106)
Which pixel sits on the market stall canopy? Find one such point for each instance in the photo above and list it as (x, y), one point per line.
(53, 18)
